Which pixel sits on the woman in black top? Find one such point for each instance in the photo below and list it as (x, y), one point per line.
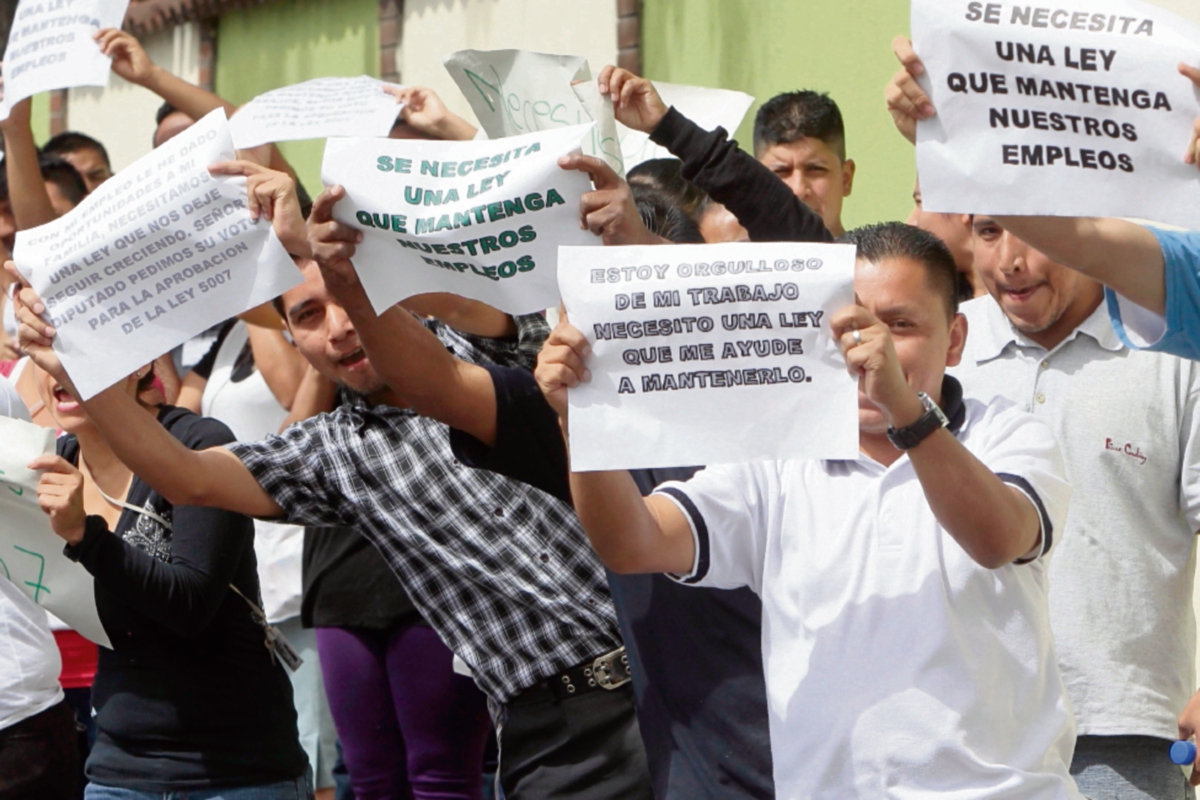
(189, 698)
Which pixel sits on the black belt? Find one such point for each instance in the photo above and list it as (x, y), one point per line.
(609, 671)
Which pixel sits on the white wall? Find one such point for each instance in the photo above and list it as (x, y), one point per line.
(121, 115)
(436, 28)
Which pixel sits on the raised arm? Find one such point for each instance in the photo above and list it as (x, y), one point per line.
(631, 534)
(130, 61)
(213, 477)
(26, 190)
(993, 522)
(281, 364)
(1120, 254)
(411, 360)
(425, 113)
(763, 204)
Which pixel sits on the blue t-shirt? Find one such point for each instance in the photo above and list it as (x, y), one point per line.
(1179, 333)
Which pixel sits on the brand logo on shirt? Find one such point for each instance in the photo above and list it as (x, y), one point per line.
(1127, 449)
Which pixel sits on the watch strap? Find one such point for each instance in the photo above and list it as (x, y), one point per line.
(910, 436)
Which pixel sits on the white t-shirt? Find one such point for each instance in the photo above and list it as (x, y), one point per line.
(896, 666)
(29, 660)
(1121, 582)
(11, 404)
(251, 411)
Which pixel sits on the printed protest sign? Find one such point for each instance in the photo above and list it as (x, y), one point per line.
(1074, 109)
(709, 354)
(50, 46)
(157, 254)
(514, 92)
(708, 108)
(31, 555)
(316, 109)
(481, 219)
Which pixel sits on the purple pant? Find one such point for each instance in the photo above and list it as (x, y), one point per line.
(409, 727)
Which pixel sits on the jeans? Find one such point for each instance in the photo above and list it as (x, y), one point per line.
(1128, 768)
(299, 789)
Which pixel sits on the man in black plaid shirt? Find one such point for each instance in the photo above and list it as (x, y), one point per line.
(503, 572)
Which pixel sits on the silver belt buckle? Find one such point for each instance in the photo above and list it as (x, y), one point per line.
(611, 670)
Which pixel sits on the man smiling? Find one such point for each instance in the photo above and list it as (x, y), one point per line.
(1121, 581)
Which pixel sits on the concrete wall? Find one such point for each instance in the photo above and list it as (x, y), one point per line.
(434, 28)
(121, 115)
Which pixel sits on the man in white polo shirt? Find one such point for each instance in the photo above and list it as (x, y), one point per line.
(906, 639)
(1121, 581)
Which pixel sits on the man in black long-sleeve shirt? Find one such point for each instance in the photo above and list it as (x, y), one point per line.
(695, 655)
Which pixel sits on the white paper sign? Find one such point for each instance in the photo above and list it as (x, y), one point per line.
(514, 92)
(159, 253)
(482, 219)
(50, 46)
(31, 554)
(709, 354)
(708, 108)
(1073, 109)
(316, 109)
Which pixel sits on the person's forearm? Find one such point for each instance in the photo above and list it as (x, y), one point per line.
(146, 447)
(280, 363)
(624, 528)
(1122, 255)
(26, 190)
(762, 203)
(186, 97)
(990, 520)
(462, 314)
(315, 395)
(184, 594)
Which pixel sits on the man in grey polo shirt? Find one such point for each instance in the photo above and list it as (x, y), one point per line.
(1121, 580)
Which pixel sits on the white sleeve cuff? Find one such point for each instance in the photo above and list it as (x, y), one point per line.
(700, 542)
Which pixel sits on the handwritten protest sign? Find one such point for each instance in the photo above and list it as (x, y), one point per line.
(156, 255)
(709, 354)
(1071, 109)
(708, 108)
(50, 47)
(481, 219)
(31, 554)
(316, 109)
(514, 92)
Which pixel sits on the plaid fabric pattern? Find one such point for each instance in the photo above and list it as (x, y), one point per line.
(502, 571)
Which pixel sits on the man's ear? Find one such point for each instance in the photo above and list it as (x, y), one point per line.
(958, 340)
(847, 177)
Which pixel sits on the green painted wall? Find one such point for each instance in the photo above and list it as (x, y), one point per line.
(39, 118)
(291, 41)
(765, 47)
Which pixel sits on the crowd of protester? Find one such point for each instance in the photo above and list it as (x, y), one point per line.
(392, 492)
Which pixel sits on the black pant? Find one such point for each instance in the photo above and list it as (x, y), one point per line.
(585, 747)
(39, 758)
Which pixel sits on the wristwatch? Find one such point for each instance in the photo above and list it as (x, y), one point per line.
(910, 436)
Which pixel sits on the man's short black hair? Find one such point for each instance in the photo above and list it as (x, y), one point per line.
(899, 240)
(164, 111)
(73, 142)
(663, 218)
(792, 116)
(68, 180)
(665, 175)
